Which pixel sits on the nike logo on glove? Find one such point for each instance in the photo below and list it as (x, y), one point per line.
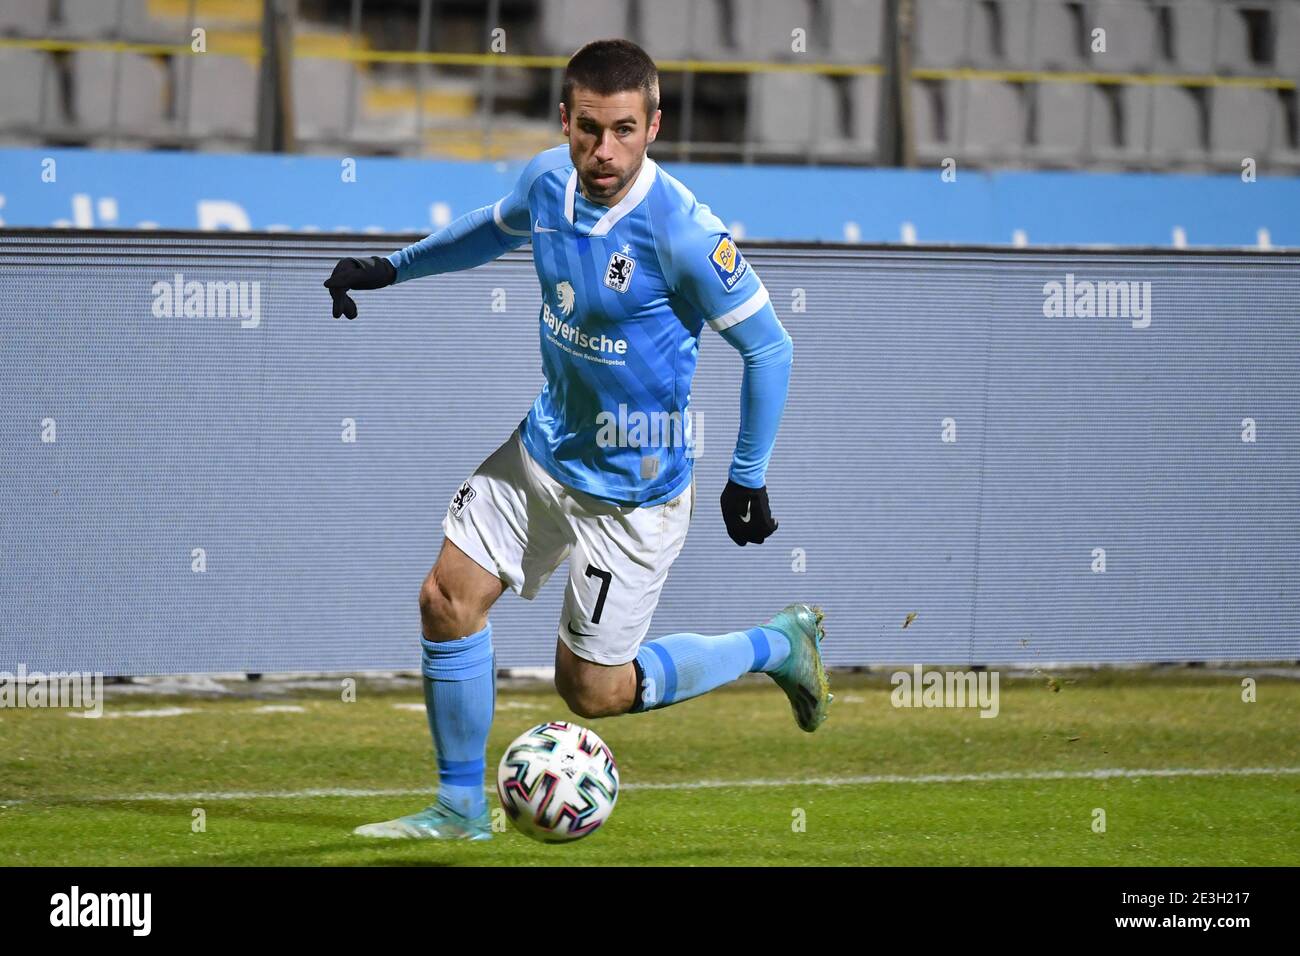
(745, 517)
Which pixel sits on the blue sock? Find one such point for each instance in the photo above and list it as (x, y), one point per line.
(681, 666)
(460, 692)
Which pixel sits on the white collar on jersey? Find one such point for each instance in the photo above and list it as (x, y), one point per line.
(644, 180)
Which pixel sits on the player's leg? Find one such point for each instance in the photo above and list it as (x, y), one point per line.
(619, 566)
(498, 535)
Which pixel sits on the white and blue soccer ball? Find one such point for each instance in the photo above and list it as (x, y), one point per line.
(558, 782)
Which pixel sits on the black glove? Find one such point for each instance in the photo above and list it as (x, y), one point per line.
(748, 517)
(352, 273)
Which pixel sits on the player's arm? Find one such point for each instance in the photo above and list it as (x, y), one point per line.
(708, 269)
(472, 240)
(768, 354)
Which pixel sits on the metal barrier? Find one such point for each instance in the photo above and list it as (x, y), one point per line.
(987, 455)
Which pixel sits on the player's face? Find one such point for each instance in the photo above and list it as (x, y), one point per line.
(608, 136)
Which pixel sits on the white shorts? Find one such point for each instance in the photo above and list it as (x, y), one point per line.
(519, 523)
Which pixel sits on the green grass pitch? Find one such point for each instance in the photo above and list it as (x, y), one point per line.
(726, 779)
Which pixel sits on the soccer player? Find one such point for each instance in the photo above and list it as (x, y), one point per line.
(600, 471)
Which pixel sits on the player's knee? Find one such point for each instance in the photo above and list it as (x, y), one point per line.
(587, 702)
(443, 617)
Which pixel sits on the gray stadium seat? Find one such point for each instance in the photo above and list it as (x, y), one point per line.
(1062, 112)
(1121, 125)
(220, 93)
(21, 76)
(25, 17)
(859, 141)
(1285, 154)
(102, 18)
(990, 120)
(138, 85)
(763, 27)
(941, 31)
(1055, 41)
(1177, 127)
(864, 128)
(932, 121)
(1130, 27)
(1241, 121)
(1192, 27)
(320, 97)
(1232, 44)
(678, 29)
(999, 33)
(792, 111)
(566, 25)
(1287, 55)
(855, 30)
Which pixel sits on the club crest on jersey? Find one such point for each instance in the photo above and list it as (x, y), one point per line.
(564, 292)
(462, 498)
(618, 274)
(727, 262)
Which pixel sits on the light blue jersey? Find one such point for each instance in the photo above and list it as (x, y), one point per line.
(626, 291)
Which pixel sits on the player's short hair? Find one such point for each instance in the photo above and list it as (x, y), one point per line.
(613, 66)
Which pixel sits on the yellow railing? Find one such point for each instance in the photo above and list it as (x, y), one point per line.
(340, 50)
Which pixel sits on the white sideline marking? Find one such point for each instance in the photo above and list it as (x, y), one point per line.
(501, 705)
(157, 712)
(868, 780)
(279, 709)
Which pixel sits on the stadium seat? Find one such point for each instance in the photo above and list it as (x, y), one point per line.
(1192, 33)
(1122, 126)
(941, 31)
(1177, 126)
(1055, 42)
(565, 25)
(218, 95)
(859, 141)
(999, 33)
(1232, 42)
(94, 19)
(864, 127)
(763, 28)
(855, 30)
(991, 120)
(932, 121)
(1285, 154)
(790, 112)
(321, 92)
(137, 83)
(1060, 124)
(25, 17)
(1130, 27)
(1287, 53)
(659, 28)
(21, 76)
(1241, 121)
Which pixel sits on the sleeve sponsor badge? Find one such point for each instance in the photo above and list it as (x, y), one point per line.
(728, 263)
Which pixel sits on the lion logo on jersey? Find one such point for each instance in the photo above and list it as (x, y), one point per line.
(463, 497)
(564, 292)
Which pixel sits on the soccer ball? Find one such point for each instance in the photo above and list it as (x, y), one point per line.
(558, 782)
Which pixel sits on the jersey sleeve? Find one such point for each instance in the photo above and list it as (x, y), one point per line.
(479, 236)
(709, 271)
